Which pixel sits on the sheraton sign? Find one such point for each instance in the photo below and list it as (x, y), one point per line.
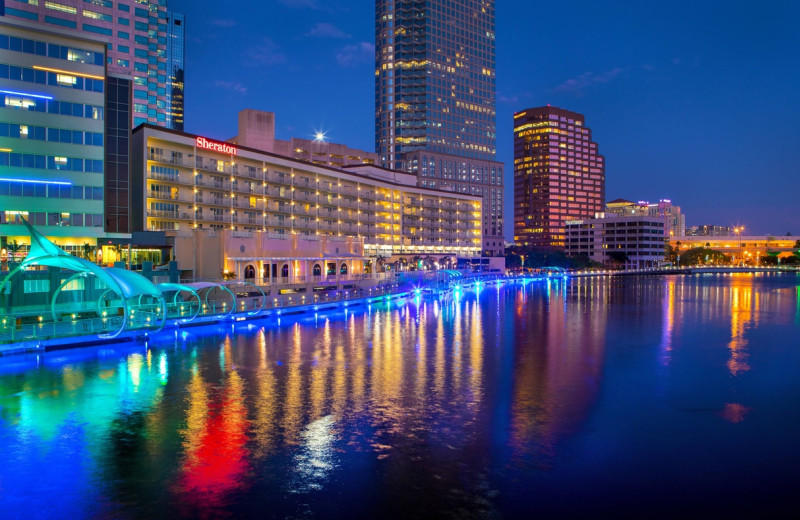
(204, 143)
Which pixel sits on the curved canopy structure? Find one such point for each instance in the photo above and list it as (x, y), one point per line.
(127, 300)
(204, 290)
(244, 291)
(181, 309)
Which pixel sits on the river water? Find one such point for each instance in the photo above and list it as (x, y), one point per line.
(659, 395)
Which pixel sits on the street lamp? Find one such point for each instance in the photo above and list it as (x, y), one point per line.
(738, 230)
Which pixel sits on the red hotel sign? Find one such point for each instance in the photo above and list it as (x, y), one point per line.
(202, 142)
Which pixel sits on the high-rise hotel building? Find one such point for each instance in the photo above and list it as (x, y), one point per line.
(184, 182)
(144, 43)
(559, 175)
(435, 113)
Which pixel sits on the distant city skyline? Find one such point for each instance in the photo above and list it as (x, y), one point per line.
(695, 103)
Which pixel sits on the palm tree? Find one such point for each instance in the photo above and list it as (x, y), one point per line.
(13, 247)
(118, 252)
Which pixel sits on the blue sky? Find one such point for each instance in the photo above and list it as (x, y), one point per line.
(696, 101)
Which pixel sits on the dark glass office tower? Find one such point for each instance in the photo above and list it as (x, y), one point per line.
(435, 110)
(176, 40)
(118, 150)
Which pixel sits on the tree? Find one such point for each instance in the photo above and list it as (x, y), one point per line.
(87, 251)
(13, 247)
(672, 254)
(769, 260)
(513, 260)
(702, 256)
(618, 257)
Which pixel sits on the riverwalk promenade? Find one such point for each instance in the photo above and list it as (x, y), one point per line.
(77, 331)
(687, 270)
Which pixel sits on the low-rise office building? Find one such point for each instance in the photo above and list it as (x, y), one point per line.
(674, 219)
(636, 242)
(184, 182)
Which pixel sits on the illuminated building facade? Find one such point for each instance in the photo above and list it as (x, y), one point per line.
(674, 219)
(749, 247)
(184, 182)
(52, 135)
(559, 175)
(708, 230)
(144, 41)
(435, 106)
(257, 130)
(638, 241)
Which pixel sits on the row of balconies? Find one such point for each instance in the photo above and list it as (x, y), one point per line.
(444, 220)
(322, 198)
(270, 176)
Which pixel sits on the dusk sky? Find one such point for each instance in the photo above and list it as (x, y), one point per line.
(694, 101)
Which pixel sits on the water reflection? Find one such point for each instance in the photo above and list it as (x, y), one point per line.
(215, 460)
(558, 351)
(424, 404)
(741, 317)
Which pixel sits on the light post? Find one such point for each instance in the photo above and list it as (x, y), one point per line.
(738, 230)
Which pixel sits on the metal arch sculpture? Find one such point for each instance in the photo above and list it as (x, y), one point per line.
(43, 252)
(126, 284)
(66, 282)
(178, 289)
(246, 283)
(138, 286)
(207, 287)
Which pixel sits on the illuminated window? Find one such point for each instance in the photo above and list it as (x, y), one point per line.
(19, 102)
(66, 79)
(61, 7)
(98, 16)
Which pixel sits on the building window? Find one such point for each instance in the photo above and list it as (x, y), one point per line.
(98, 16)
(61, 7)
(60, 21)
(95, 29)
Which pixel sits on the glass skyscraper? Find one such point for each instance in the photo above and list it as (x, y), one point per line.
(435, 112)
(138, 34)
(176, 40)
